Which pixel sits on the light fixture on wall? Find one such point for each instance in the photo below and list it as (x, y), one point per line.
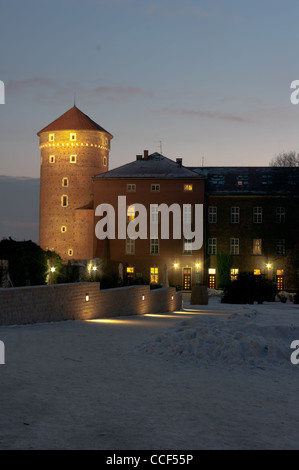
(143, 297)
(87, 297)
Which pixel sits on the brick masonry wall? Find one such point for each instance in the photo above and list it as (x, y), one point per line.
(57, 302)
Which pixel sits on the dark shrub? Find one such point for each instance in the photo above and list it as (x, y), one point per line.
(248, 289)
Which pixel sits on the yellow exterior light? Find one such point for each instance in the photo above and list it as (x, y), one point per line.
(268, 265)
(176, 265)
(94, 268)
(52, 270)
(87, 297)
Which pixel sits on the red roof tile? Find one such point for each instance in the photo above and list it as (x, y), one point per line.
(73, 119)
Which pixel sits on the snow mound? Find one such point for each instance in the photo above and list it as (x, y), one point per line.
(233, 339)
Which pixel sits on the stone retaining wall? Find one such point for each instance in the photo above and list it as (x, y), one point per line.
(82, 301)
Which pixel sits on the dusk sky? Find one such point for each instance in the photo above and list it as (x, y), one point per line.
(210, 79)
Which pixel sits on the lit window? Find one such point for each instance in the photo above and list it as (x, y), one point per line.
(130, 269)
(105, 161)
(154, 246)
(73, 158)
(257, 215)
(257, 272)
(280, 215)
(64, 201)
(188, 187)
(51, 137)
(65, 182)
(280, 246)
(187, 213)
(155, 187)
(234, 246)
(212, 215)
(131, 213)
(70, 252)
(212, 246)
(280, 279)
(234, 272)
(52, 158)
(154, 275)
(130, 246)
(63, 228)
(257, 246)
(235, 215)
(73, 136)
(187, 246)
(131, 188)
(212, 270)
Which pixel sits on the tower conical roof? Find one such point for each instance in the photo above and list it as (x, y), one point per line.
(73, 119)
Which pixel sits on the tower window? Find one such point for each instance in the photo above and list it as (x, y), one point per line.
(63, 228)
(73, 158)
(105, 161)
(65, 182)
(64, 201)
(51, 137)
(52, 158)
(70, 252)
(73, 136)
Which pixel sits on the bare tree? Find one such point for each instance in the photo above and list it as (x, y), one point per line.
(286, 159)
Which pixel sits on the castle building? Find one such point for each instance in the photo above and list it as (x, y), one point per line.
(73, 150)
(250, 214)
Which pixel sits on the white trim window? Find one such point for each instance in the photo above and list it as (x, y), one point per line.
(234, 246)
(257, 215)
(235, 215)
(154, 246)
(212, 215)
(130, 246)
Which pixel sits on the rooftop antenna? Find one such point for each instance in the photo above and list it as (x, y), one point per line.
(160, 146)
(74, 98)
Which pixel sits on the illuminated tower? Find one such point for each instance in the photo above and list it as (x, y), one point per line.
(73, 150)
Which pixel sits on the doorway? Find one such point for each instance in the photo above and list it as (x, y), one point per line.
(187, 278)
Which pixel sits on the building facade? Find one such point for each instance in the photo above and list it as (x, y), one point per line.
(250, 214)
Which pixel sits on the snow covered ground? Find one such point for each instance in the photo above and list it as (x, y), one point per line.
(217, 376)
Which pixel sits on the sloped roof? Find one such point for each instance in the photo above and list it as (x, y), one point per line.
(250, 180)
(154, 166)
(73, 119)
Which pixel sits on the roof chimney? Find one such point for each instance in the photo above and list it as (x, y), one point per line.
(179, 162)
(138, 157)
(145, 154)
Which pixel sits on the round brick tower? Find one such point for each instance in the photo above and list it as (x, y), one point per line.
(73, 150)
